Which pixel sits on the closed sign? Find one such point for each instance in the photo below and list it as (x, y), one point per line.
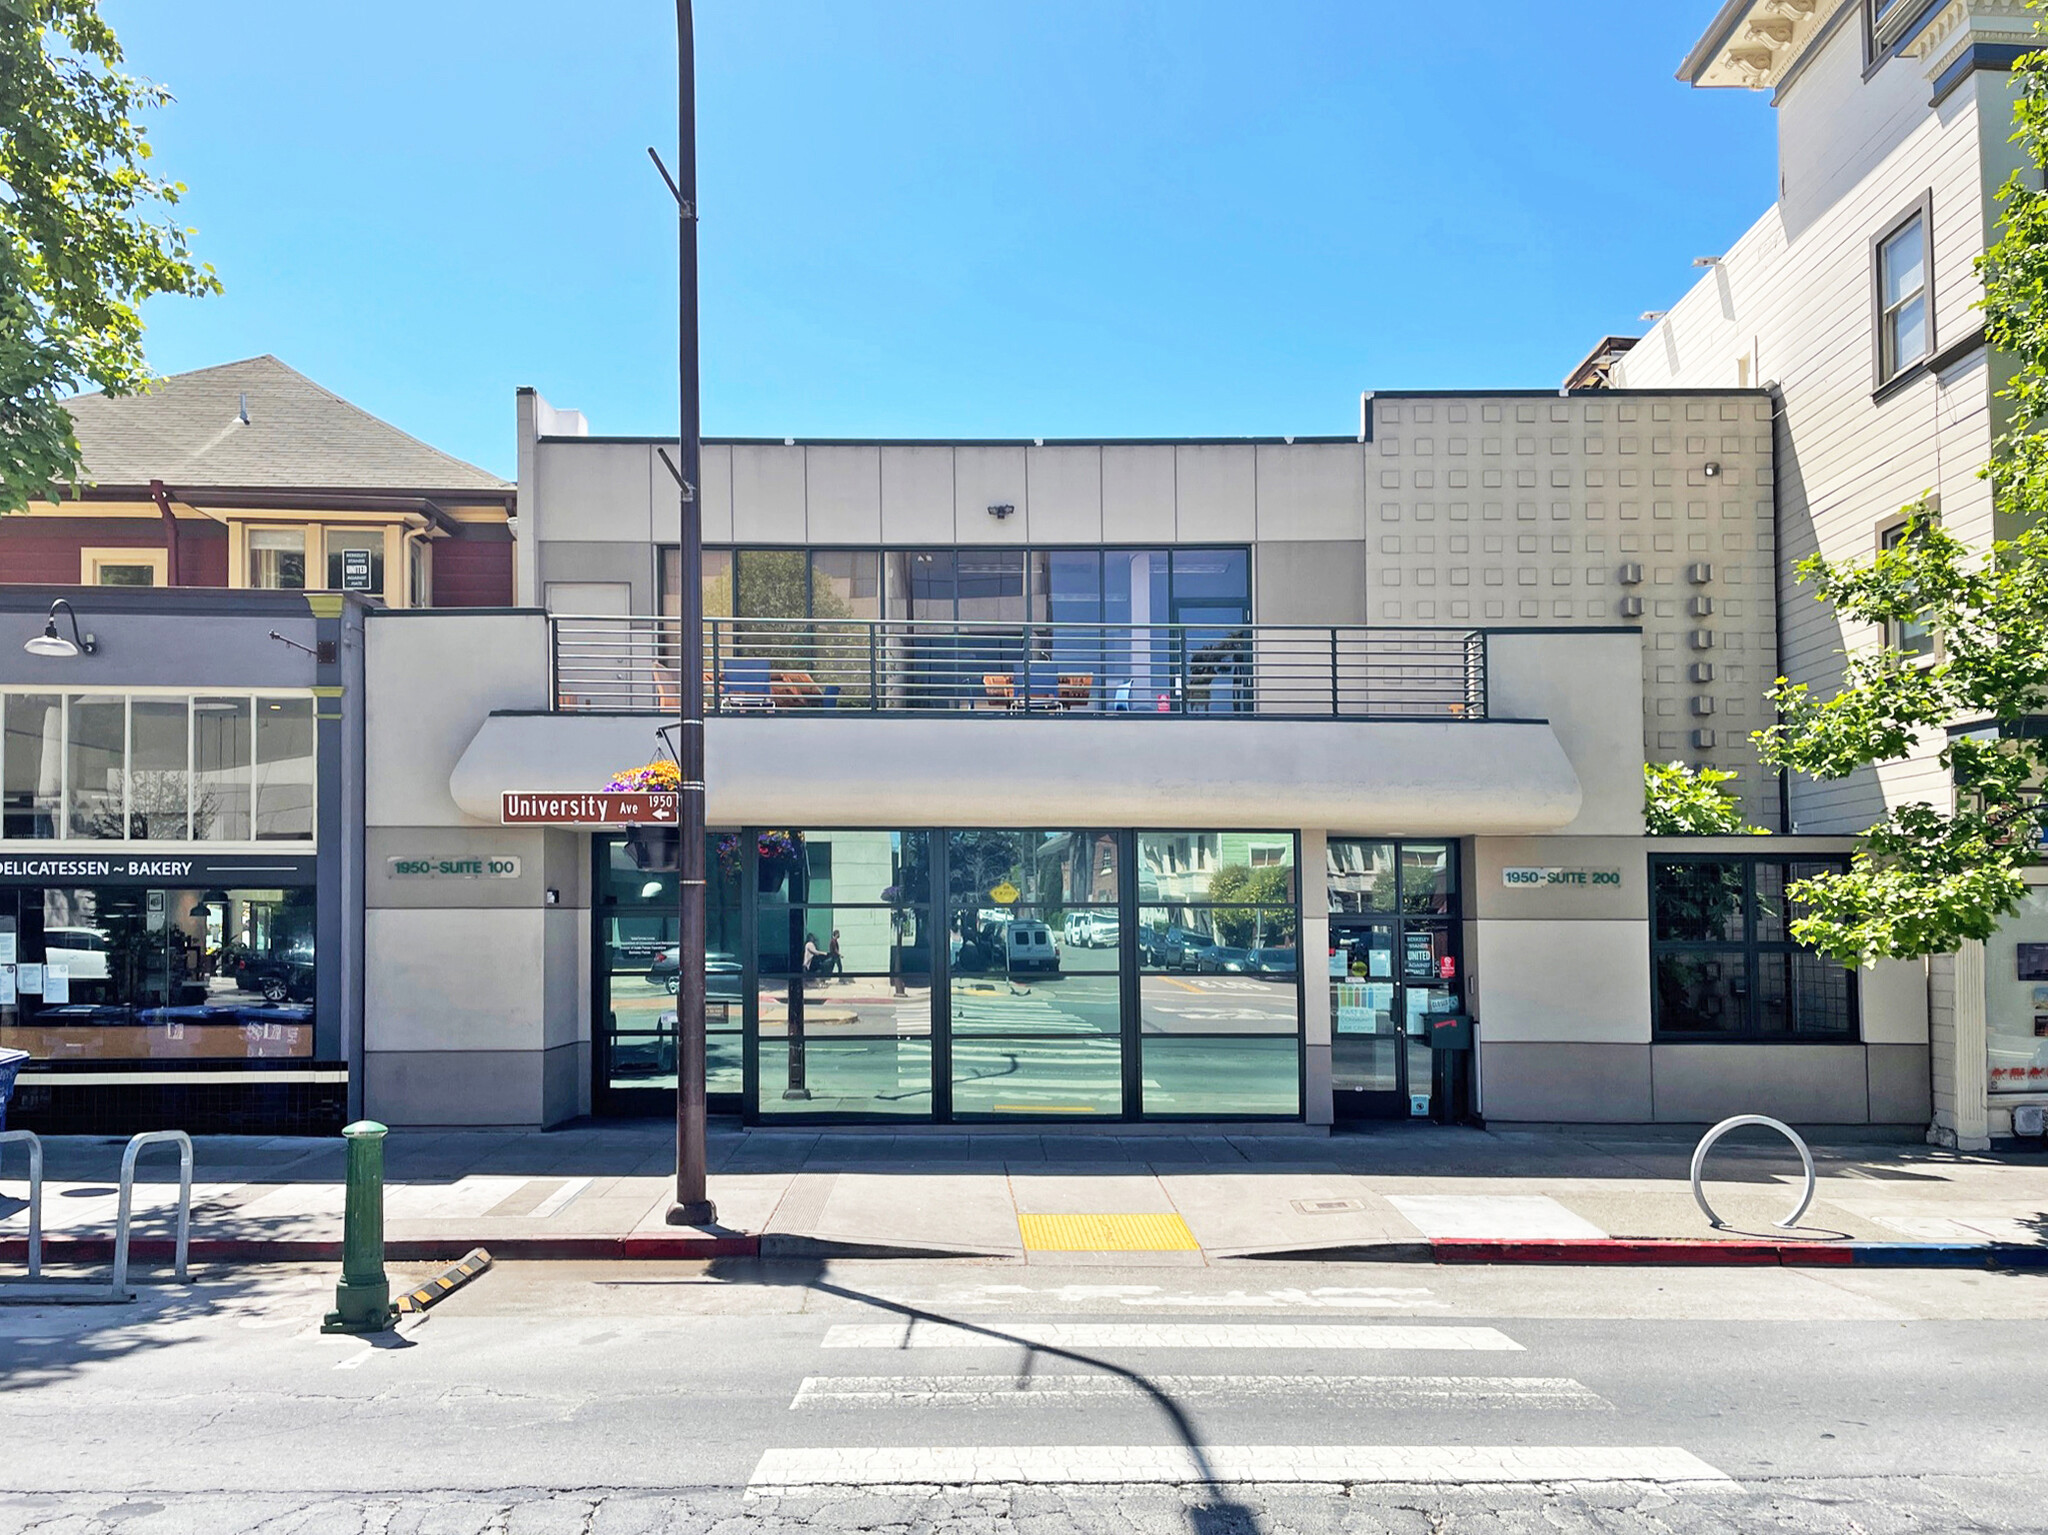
(1529, 879)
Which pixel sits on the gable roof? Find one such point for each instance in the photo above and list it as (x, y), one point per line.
(188, 431)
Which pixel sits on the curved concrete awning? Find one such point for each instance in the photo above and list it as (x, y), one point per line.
(1419, 778)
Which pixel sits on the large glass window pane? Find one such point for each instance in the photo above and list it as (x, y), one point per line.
(1221, 1004)
(222, 741)
(888, 1076)
(1222, 1078)
(1073, 1004)
(1361, 875)
(96, 764)
(285, 767)
(1026, 942)
(277, 558)
(991, 584)
(32, 765)
(922, 584)
(363, 540)
(1249, 868)
(2016, 998)
(132, 973)
(1002, 1078)
(846, 868)
(158, 778)
(1703, 994)
(773, 583)
(1821, 1007)
(1074, 586)
(1698, 902)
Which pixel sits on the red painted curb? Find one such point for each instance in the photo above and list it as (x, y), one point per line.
(1685, 1251)
(62, 1250)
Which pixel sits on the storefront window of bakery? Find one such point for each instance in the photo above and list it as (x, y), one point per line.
(2016, 1006)
(137, 972)
(638, 979)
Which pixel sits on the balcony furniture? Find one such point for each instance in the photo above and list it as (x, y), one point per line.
(744, 684)
(794, 689)
(999, 689)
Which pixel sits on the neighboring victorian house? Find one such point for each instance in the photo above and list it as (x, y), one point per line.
(251, 475)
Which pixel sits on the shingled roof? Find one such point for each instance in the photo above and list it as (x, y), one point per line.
(188, 431)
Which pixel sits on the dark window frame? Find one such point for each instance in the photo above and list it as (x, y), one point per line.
(1875, 57)
(1750, 949)
(1883, 384)
(1890, 533)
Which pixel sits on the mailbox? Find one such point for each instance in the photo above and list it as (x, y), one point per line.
(1449, 1031)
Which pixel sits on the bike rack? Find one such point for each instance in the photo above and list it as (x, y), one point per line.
(34, 1143)
(122, 1221)
(1699, 1162)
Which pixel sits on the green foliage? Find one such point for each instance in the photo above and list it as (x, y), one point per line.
(1679, 801)
(85, 235)
(1272, 887)
(1926, 878)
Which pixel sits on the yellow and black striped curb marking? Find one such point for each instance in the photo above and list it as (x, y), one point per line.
(445, 1283)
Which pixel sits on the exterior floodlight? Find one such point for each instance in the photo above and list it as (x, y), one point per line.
(51, 643)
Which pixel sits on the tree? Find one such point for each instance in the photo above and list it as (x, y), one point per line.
(85, 235)
(1679, 801)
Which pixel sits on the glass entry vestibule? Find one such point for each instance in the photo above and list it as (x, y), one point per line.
(1395, 959)
(962, 975)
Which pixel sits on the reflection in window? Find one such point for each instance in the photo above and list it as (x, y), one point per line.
(133, 973)
(222, 746)
(1202, 867)
(31, 765)
(96, 731)
(1726, 963)
(159, 780)
(1222, 1078)
(284, 769)
(277, 558)
(1005, 1077)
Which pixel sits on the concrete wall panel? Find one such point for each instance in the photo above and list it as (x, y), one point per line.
(1138, 494)
(1901, 1084)
(1066, 495)
(1564, 1083)
(1489, 894)
(985, 477)
(1311, 492)
(415, 1088)
(845, 495)
(1562, 982)
(1217, 493)
(917, 495)
(768, 495)
(1894, 1003)
(595, 491)
(1573, 680)
(1800, 1084)
(454, 978)
(1309, 583)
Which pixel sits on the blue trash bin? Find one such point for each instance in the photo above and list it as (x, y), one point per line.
(11, 1062)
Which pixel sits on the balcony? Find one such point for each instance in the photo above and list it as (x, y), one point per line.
(757, 667)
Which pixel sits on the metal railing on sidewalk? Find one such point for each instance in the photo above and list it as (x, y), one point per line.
(919, 667)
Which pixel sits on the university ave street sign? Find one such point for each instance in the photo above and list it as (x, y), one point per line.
(523, 808)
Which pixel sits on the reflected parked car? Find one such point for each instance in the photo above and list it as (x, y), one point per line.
(1277, 964)
(1220, 960)
(721, 974)
(1174, 948)
(277, 977)
(82, 951)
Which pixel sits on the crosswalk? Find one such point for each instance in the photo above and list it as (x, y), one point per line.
(1109, 1369)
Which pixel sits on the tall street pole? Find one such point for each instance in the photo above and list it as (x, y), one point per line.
(693, 1206)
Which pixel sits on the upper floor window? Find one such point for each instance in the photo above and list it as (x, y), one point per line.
(1910, 636)
(1905, 316)
(277, 558)
(158, 767)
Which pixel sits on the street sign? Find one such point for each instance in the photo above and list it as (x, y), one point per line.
(355, 570)
(1005, 894)
(526, 808)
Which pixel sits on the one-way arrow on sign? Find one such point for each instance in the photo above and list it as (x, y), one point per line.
(528, 808)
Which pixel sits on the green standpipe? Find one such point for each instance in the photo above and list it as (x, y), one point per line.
(362, 1301)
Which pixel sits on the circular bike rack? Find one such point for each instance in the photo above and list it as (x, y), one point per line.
(1699, 1162)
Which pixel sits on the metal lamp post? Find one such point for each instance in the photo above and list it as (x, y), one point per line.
(692, 1206)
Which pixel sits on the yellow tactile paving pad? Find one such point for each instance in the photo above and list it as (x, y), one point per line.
(1106, 1234)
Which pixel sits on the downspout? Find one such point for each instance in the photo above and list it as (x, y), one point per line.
(162, 498)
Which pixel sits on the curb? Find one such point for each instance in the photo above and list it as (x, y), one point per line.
(1696, 1252)
(72, 1250)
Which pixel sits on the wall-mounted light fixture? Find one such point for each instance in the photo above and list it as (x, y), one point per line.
(51, 643)
(1706, 261)
(1000, 509)
(1654, 315)
(1713, 471)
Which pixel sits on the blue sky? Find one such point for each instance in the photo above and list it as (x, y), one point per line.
(932, 218)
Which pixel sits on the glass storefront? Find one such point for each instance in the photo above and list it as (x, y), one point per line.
(967, 975)
(2016, 1001)
(137, 972)
(1395, 960)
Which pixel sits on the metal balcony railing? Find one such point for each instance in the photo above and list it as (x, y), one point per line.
(915, 667)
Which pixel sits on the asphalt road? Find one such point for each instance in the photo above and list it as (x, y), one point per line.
(992, 1398)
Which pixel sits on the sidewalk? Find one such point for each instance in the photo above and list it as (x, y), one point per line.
(1403, 1192)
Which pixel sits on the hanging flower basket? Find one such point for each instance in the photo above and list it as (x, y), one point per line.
(779, 853)
(655, 778)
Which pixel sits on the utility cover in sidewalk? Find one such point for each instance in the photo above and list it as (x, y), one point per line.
(1106, 1234)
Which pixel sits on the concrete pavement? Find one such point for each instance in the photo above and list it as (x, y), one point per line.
(1405, 1191)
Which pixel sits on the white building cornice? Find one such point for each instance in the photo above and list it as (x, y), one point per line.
(1960, 25)
(1753, 44)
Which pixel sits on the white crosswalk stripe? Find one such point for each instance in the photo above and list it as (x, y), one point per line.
(1166, 1335)
(1079, 1465)
(822, 1469)
(1353, 1392)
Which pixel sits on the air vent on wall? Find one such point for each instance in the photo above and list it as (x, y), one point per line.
(1699, 573)
(1631, 607)
(1631, 575)
(1701, 607)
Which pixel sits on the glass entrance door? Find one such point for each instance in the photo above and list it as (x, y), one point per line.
(1386, 979)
